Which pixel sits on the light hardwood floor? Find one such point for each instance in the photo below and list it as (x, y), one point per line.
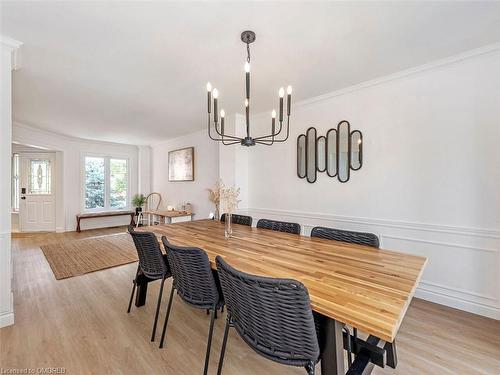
(81, 324)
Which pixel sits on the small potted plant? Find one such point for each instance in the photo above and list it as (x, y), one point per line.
(138, 201)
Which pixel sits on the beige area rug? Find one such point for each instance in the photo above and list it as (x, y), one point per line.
(73, 258)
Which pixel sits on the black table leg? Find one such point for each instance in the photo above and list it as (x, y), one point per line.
(142, 290)
(392, 358)
(332, 359)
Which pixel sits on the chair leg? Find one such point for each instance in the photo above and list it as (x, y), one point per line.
(310, 368)
(224, 342)
(133, 290)
(158, 305)
(209, 343)
(166, 317)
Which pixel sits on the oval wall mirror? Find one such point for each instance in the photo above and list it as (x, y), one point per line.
(336, 153)
(344, 151)
(331, 152)
(321, 154)
(301, 156)
(356, 150)
(311, 155)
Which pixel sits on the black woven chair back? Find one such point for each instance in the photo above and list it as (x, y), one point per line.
(148, 249)
(193, 277)
(360, 238)
(280, 226)
(238, 219)
(273, 316)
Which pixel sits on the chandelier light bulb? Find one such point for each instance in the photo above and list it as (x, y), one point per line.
(246, 102)
(222, 113)
(273, 114)
(216, 93)
(247, 67)
(289, 90)
(282, 92)
(359, 141)
(209, 86)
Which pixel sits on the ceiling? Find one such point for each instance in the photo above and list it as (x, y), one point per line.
(135, 72)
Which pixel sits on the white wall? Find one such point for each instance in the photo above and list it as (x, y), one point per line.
(430, 181)
(8, 48)
(144, 169)
(69, 178)
(206, 173)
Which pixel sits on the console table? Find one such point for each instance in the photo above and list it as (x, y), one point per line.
(169, 217)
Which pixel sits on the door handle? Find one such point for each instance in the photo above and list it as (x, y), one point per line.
(23, 197)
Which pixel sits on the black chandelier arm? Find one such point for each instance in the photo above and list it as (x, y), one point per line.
(222, 135)
(271, 135)
(235, 139)
(231, 143)
(230, 137)
(277, 133)
(265, 143)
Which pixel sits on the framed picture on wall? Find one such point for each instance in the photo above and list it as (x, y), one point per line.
(181, 164)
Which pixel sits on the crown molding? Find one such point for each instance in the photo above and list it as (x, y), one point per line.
(162, 142)
(14, 46)
(34, 128)
(403, 73)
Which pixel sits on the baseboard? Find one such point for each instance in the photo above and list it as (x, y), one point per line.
(6, 319)
(60, 230)
(458, 303)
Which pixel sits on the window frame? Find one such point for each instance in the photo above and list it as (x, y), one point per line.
(107, 181)
(15, 183)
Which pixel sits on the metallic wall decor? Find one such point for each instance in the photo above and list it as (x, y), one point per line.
(337, 153)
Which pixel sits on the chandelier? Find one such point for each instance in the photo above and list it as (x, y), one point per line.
(248, 37)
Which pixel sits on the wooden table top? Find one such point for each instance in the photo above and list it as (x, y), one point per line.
(167, 213)
(367, 288)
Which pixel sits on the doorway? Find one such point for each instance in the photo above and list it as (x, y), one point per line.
(35, 191)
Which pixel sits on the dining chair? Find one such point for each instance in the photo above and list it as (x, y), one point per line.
(280, 226)
(153, 201)
(360, 238)
(273, 316)
(195, 283)
(238, 219)
(152, 264)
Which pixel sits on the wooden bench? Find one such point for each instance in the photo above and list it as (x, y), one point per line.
(92, 215)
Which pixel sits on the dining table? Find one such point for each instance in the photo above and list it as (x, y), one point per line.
(351, 286)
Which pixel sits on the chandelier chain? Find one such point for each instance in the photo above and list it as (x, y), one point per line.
(248, 53)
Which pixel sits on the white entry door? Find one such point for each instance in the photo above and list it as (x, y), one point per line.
(37, 207)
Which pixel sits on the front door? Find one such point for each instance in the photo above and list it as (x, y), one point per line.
(37, 208)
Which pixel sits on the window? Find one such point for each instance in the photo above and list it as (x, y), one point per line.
(117, 183)
(106, 183)
(39, 178)
(15, 183)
